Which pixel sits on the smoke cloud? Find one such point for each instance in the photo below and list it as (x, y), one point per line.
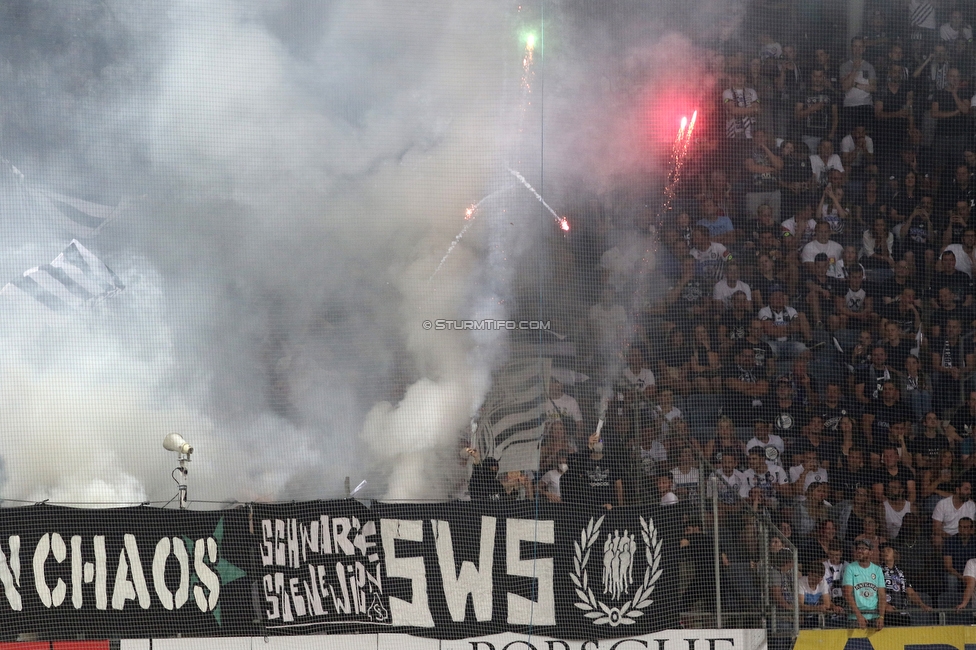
(297, 170)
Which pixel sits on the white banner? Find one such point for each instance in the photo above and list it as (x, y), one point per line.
(665, 640)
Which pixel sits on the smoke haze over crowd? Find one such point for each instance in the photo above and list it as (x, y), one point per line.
(296, 171)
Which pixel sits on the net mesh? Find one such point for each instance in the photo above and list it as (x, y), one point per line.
(511, 322)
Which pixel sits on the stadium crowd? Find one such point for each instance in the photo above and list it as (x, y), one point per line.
(815, 347)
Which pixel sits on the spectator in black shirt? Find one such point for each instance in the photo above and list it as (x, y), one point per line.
(745, 390)
(484, 484)
(593, 479)
(926, 446)
(962, 188)
(850, 475)
(952, 360)
(961, 428)
(892, 287)
(878, 421)
(920, 239)
(869, 379)
(897, 348)
(832, 408)
(821, 291)
(733, 325)
(893, 469)
(893, 116)
(950, 111)
(787, 416)
(948, 307)
(947, 276)
(765, 363)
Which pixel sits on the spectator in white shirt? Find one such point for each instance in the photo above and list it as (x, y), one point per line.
(565, 406)
(724, 289)
(956, 28)
(822, 243)
(948, 512)
(824, 160)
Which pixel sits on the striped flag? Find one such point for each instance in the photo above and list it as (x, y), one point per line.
(512, 419)
(76, 279)
(78, 217)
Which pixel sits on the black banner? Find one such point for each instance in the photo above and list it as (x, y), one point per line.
(123, 573)
(449, 571)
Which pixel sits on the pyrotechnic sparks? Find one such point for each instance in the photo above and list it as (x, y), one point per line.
(679, 151)
(469, 214)
(562, 222)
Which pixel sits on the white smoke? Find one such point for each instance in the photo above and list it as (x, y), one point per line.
(304, 167)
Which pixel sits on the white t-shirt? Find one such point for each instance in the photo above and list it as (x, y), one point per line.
(774, 475)
(812, 595)
(774, 441)
(946, 512)
(710, 263)
(819, 168)
(723, 292)
(820, 475)
(728, 486)
(551, 480)
(894, 517)
(780, 318)
(739, 126)
(641, 380)
(970, 570)
(834, 579)
(789, 230)
(866, 73)
(949, 33)
(834, 253)
(565, 406)
(847, 144)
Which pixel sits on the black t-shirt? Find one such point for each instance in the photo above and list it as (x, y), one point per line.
(484, 484)
(831, 416)
(958, 282)
(905, 204)
(767, 181)
(904, 474)
(892, 103)
(891, 289)
(765, 286)
(834, 286)
(735, 328)
(952, 355)
(963, 422)
(763, 352)
(897, 354)
(872, 379)
(741, 408)
(846, 482)
(904, 319)
(928, 447)
(884, 417)
(592, 481)
(964, 315)
(954, 192)
(948, 128)
(818, 122)
(787, 422)
(677, 357)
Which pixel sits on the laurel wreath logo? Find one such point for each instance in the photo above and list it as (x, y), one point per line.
(629, 612)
